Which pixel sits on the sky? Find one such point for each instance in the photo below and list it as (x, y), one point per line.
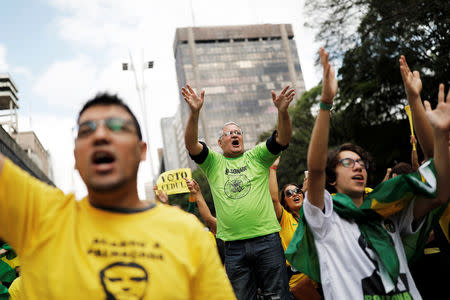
(61, 53)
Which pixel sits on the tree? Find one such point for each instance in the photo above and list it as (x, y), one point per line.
(369, 109)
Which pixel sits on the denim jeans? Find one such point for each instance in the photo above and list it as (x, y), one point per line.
(257, 263)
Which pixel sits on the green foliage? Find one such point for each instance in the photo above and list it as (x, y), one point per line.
(369, 109)
(180, 200)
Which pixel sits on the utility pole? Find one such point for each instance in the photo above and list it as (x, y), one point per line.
(141, 88)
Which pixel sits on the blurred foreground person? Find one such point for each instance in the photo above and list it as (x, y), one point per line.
(109, 245)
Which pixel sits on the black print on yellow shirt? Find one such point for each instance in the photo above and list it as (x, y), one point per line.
(237, 186)
(101, 247)
(121, 280)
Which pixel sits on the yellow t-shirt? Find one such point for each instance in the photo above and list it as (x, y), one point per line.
(288, 225)
(16, 290)
(69, 249)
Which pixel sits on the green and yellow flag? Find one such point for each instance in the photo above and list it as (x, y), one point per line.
(8, 263)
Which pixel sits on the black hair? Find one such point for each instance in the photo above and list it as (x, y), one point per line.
(283, 196)
(333, 160)
(402, 168)
(108, 99)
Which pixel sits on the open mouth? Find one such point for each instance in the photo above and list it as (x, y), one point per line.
(358, 177)
(297, 200)
(102, 158)
(235, 142)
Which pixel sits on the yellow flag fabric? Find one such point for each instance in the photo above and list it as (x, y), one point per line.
(173, 181)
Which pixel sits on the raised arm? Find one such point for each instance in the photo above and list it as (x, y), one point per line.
(440, 122)
(284, 126)
(387, 176)
(203, 208)
(191, 134)
(413, 87)
(318, 146)
(273, 188)
(414, 159)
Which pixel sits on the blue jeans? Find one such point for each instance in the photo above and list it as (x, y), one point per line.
(257, 263)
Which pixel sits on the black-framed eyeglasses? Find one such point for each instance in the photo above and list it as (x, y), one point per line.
(292, 192)
(350, 163)
(230, 132)
(113, 124)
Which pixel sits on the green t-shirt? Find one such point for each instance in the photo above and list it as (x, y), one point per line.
(240, 189)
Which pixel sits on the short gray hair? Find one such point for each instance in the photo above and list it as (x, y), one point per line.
(225, 125)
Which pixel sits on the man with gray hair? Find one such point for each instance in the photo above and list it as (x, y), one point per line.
(239, 184)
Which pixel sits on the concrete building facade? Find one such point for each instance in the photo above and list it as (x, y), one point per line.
(29, 142)
(8, 104)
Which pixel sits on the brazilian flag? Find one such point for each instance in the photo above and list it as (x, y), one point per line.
(8, 263)
(386, 199)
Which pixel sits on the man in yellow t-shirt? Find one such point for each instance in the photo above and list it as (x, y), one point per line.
(109, 245)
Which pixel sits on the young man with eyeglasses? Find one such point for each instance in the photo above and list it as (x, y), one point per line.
(360, 251)
(67, 246)
(239, 184)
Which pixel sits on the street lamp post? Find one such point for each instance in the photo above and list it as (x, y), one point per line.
(141, 91)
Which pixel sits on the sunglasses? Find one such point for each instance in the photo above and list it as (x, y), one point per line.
(350, 163)
(113, 124)
(292, 192)
(230, 132)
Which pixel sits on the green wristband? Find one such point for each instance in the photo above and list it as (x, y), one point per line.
(325, 106)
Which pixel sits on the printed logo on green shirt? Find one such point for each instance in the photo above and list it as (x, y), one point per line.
(237, 186)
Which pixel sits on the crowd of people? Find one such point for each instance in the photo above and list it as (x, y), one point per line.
(330, 237)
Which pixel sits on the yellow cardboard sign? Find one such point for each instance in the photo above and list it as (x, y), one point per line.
(172, 182)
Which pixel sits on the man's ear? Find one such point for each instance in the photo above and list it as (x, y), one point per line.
(143, 149)
(219, 141)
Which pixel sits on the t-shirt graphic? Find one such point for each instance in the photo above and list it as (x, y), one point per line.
(122, 280)
(237, 186)
(372, 286)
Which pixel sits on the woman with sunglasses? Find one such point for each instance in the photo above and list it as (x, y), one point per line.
(287, 205)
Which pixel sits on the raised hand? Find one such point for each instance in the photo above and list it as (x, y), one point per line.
(160, 195)
(305, 185)
(411, 80)
(194, 101)
(193, 186)
(283, 100)
(412, 140)
(439, 117)
(387, 175)
(329, 83)
(276, 163)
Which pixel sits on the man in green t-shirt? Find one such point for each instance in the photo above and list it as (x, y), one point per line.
(239, 183)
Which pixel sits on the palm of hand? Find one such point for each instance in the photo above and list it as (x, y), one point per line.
(440, 117)
(413, 84)
(195, 101)
(281, 102)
